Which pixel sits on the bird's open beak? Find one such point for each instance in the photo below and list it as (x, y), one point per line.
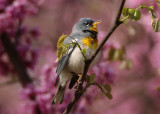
(94, 26)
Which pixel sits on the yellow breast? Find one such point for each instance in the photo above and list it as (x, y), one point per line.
(90, 42)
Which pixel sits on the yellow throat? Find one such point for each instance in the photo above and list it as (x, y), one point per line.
(90, 42)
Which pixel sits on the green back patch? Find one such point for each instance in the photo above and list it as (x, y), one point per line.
(60, 43)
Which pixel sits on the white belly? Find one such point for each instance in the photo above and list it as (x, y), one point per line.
(76, 60)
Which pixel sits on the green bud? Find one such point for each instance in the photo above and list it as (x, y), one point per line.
(133, 14)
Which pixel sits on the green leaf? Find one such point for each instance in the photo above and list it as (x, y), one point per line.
(156, 25)
(129, 64)
(107, 88)
(123, 64)
(111, 53)
(109, 95)
(126, 64)
(150, 9)
(131, 11)
(84, 51)
(90, 79)
(152, 21)
(118, 55)
(124, 11)
(134, 14)
(137, 15)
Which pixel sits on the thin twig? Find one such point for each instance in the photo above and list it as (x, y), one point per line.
(96, 84)
(79, 90)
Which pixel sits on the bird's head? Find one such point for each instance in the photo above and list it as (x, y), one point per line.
(86, 26)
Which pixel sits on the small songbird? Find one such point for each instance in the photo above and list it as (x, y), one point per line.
(71, 51)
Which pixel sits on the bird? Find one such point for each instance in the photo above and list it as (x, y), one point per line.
(72, 50)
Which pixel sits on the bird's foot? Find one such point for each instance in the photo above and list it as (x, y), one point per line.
(79, 79)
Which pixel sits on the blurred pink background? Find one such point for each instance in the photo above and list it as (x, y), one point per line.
(134, 91)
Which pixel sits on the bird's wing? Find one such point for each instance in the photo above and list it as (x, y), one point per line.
(64, 54)
(60, 45)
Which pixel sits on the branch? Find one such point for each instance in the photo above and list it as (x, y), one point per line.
(15, 59)
(79, 92)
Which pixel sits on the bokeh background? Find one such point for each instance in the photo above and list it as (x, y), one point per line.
(135, 87)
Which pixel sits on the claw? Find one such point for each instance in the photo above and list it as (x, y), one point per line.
(79, 79)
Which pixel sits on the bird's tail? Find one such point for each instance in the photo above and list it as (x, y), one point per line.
(58, 98)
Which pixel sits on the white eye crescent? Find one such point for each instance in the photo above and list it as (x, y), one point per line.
(86, 23)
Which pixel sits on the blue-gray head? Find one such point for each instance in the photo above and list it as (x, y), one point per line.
(86, 27)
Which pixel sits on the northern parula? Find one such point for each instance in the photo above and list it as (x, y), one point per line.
(70, 57)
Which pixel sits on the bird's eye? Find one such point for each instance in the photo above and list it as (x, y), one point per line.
(86, 23)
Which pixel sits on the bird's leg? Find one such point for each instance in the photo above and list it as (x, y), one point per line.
(79, 79)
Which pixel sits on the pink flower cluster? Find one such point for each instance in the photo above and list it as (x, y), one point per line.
(12, 14)
(13, 11)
